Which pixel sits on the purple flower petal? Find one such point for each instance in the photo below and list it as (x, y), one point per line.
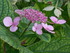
(61, 22)
(54, 19)
(33, 28)
(35, 24)
(49, 27)
(16, 21)
(39, 26)
(13, 28)
(44, 25)
(39, 32)
(20, 12)
(51, 32)
(7, 21)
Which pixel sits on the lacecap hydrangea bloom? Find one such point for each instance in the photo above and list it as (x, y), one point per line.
(33, 16)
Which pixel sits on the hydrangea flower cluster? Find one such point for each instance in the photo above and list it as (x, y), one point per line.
(33, 16)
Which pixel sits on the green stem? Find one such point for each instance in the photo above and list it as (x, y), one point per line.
(56, 4)
(4, 48)
(24, 30)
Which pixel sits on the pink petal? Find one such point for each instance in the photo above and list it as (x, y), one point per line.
(33, 28)
(39, 26)
(35, 24)
(44, 25)
(39, 32)
(51, 32)
(49, 27)
(54, 19)
(36, 27)
(16, 21)
(7, 21)
(20, 12)
(13, 28)
(61, 22)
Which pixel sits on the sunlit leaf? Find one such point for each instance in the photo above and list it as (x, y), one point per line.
(48, 8)
(57, 12)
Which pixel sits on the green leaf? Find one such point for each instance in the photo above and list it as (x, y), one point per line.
(1, 46)
(40, 6)
(62, 31)
(58, 45)
(6, 9)
(66, 29)
(68, 8)
(22, 50)
(45, 37)
(28, 40)
(21, 4)
(36, 6)
(10, 38)
(13, 2)
(9, 49)
(28, 32)
(65, 14)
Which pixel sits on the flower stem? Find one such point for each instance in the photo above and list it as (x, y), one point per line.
(21, 35)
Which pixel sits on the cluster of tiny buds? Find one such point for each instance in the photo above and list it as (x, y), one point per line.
(32, 15)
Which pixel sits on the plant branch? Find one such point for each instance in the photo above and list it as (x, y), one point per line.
(24, 30)
(4, 48)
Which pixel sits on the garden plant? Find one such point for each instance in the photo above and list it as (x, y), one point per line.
(34, 26)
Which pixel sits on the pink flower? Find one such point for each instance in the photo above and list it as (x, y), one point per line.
(32, 15)
(37, 28)
(20, 12)
(12, 24)
(49, 28)
(55, 20)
